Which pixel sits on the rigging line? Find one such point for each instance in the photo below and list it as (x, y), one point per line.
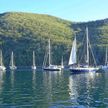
(106, 57)
(82, 51)
(92, 54)
(45, 57)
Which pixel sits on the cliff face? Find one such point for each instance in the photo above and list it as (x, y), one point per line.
(25, 32)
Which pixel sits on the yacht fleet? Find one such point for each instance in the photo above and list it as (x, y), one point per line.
(74, 65)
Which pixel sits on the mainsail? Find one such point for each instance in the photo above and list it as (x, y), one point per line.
(72, 59)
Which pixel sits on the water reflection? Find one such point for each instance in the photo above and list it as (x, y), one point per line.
(73, 89)
(47, 82)
(2, 74)
(57, 88)
(51, 80)
(36, 89)
(12, 78)
(34, 79)
(84, 89)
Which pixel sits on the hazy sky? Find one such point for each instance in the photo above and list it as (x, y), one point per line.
(74, 10)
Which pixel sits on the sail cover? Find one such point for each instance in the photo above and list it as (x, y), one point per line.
(72, 59)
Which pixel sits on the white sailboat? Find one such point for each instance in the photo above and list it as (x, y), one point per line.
(50, 67)
(105, 67)
(74, 66)
(12, 62)
(2, 67)
(34, 65)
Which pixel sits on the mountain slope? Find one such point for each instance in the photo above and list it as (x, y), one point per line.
(25, 32)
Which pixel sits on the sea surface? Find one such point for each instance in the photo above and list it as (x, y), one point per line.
(39, 89)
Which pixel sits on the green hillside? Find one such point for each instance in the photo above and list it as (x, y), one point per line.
(25, 32)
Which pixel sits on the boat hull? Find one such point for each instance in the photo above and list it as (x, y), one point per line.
(52, 68)
(2, 68)
(48, 69)
(13, 67)
(104, 68)
(34, 67)
(83, 70)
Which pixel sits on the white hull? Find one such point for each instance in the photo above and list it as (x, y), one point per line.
(34, 67)
(13, 67)
(2, 68)
(62, 67)
(83, 69)
(52, 68)
(105, 68)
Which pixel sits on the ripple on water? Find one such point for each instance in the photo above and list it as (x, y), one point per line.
(67, 104)
(98, 103)
(105, 101)
(15, 106)
(71, 106)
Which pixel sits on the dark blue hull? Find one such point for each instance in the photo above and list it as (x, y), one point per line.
(81, 71)
(51, 69)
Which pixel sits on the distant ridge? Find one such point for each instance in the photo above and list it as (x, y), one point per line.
(24, 32)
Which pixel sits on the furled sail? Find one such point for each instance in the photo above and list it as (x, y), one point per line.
(1, 61)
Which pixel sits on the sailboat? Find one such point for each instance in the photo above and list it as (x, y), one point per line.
(12, 64)
(34, 66)
(2, 67)
(105, 67)
(50, 67)
(74, 66)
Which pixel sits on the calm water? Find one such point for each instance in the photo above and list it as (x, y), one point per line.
(27, 89)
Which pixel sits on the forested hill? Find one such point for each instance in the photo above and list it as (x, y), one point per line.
(25, 32)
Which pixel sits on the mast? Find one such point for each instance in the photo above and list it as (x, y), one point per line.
(106, 58)
(1, 60)
(87, 59)
(12, 64)
(12, 60)
(62, 62)
(49, 50)
(33, 58)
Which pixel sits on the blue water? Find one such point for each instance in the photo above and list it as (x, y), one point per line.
(37, 89)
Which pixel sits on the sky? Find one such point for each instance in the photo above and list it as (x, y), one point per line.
(73, 10)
